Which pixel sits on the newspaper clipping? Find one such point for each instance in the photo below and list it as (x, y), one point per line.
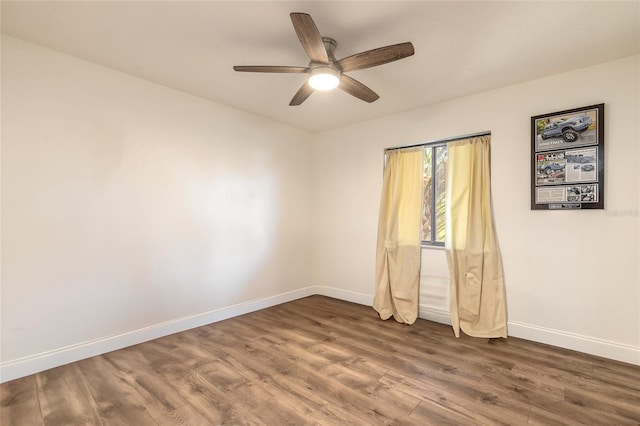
(568, 164)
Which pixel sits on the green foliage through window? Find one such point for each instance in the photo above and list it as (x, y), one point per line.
(434, 195)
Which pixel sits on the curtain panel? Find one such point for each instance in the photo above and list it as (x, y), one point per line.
(398, 247)
(475, 263)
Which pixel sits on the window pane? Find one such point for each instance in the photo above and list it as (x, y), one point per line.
(440, 192)
(427, 195)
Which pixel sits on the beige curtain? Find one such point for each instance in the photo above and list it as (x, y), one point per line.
(398, 249)
(473, 254)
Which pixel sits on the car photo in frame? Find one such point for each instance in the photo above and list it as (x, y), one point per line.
(567, 159)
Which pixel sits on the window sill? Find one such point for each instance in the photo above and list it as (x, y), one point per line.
(433, 247)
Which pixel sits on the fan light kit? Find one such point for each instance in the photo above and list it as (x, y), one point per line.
(324, 78)
(325, 72)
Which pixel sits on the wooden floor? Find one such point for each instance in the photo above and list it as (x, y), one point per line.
(323, 361)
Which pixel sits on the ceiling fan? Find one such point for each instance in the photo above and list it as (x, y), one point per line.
(325, 72)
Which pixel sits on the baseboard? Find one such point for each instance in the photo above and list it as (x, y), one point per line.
(435, 315)
(599, 347)
(32, 364)
(26, 366)
(347, 296)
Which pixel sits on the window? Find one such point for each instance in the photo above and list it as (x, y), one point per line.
(434, 195)
(434, 188)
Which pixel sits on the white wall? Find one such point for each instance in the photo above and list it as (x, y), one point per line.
(572, 277)
(434, 285)
(130, 210)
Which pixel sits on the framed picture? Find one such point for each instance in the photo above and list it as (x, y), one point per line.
(567, 159)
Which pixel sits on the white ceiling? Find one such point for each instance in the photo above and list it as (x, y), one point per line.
(461, 47)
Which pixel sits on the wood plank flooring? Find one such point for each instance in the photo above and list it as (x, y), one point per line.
(321, 361)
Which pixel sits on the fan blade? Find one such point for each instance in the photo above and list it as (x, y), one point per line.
(310, 37)
(268, 68)
(302, 94)
(373, 57)
(357, 89)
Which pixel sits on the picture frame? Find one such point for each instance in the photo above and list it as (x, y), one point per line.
(567, 159)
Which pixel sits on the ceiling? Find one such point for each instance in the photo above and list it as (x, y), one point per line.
(461, 47)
